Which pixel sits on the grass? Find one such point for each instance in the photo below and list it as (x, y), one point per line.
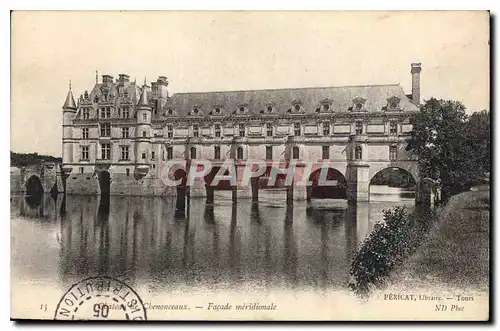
(456, 250)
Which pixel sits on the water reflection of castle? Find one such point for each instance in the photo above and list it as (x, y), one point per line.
(142, 238)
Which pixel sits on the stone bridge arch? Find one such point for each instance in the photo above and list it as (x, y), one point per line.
(409, 166)
(48, 174)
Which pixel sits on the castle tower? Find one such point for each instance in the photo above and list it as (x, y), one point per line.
(69, 112)
(143, 133)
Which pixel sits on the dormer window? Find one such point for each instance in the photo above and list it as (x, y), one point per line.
(170, 111)
(196, 111)
(296, 106)
(217, 111)
(325, 105)
(241, 109)
(269, 109)
(358, 104)
(393, 103)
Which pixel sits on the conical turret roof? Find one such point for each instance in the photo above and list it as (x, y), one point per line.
(143, 100)
(70, 101)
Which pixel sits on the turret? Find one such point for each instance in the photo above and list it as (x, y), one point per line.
(69, 111)
(143, 133)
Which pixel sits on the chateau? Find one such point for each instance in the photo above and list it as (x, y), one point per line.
(122, 134)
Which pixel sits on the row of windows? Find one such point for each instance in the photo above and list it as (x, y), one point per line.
(125, 155)
(105, 112)
(105, 130)
(297, 129)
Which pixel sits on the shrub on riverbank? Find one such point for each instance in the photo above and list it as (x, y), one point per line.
(387, 246)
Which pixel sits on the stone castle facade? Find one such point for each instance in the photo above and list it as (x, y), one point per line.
(130, 131)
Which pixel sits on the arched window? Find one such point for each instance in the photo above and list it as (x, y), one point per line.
(193, 152)
(358, 153)
(239, 153)
(295, 153)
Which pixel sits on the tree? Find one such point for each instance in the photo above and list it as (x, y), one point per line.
(447, 144)
(478, 136)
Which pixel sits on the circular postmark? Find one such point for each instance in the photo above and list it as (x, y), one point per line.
(100, 298)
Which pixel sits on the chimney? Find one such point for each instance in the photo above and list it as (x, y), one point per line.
(416, 68)
(123, 78)
(107, 80)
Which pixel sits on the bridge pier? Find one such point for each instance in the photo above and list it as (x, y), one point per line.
(358, 182)
(210, 194)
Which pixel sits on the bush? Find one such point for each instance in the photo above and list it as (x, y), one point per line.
(387, 246)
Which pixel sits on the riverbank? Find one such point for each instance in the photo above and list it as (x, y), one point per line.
(456, 251)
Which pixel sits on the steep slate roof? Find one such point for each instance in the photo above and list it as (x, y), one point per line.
(70, 101)
(341, 99)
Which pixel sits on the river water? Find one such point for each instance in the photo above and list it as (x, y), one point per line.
(262, 247)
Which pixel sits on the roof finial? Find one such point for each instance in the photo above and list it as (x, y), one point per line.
(96, 76)
(70, 84)
(144, 80)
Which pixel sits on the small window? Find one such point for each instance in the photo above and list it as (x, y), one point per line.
(125, 132)
(393, 153)
(296, 129)
(241, 130)
(326, 128)
(125, 112)
(270, 109)
(152, 155)
(295, 153)
(81, 170)
(170, 112)
(297, 107)
(358, 153)
(325, 151)
(196, 111)
(242, 109)
(269, 129)
(125, 152)
(216, 152)
(85, 133)
(105, 129)
(239, 153)
(144, 134)
(193, 152)
(269, 152)
(145, 117)
(143, 156)
(326, 107)
(85, 153)
(170, 132)
(359, 127)
(170, 153)
(217, 110)
(393, 127)
(128, 171)
(106, 151)
(196, 131)
(86, 114)
(217, 130)
(359, 106)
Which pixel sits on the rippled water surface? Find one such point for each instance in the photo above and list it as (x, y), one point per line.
(224, 246)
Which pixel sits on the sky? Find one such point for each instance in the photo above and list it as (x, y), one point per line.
(213, 51)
